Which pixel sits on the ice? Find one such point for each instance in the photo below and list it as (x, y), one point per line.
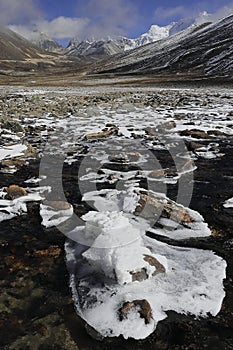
(12, 208)
(12, 151)
(52, 217)
(228, 203)
(192, 284)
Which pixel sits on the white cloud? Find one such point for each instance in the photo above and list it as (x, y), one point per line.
(18, 11)
(58, 28)
(109, 17)
(97, 18)
(164, 13)
(175, 13)
(63, 27)
(223, 12)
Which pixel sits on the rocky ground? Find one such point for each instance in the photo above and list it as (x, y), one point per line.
(37, 310)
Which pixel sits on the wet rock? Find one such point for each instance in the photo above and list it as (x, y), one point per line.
(216, 133)
(198, 134)
(193, 146)
(102, 134)
(142, 306)
(93, 333)
(15, 191)
(53, 251)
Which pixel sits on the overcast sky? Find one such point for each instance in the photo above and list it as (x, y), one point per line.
(65, 19)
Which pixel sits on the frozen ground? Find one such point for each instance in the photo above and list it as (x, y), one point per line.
(116, 144)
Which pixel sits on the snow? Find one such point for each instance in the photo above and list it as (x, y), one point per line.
(192, 284)
(52, 217)
(12, 151)
(228, 203)
(12, 208)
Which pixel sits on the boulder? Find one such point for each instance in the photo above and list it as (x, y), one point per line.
(152, 206)
(102, 134)
(58, 205)
(197, 134)
(15, 191)
(142, 306)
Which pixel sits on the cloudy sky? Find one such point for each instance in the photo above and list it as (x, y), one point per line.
(64, 19)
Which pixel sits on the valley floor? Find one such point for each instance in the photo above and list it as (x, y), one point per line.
(110, 133)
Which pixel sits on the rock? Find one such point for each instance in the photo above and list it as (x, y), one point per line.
(152, 206)
(198, 134)
(53, 251)
(216, 133)
(151, 131)
(189, 165)
(142, 306)
(167, 125)
(14, 162)
(154, 262)
(156, 174)
(15, 191)
(193, 146)
(58, 205)
(121, 158)
(139, 275)
(30, 152)
(101, 134)
(93, 333)
(12, 125)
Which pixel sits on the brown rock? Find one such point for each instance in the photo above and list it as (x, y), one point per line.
(154, 262)
(216, 132)
(139, 275)
(15, 191)
(30, 152)
(152, 206)
(104, 133)
(53, 251)
(142, 306)
(156, 174)
(198, 134)
(58, 205)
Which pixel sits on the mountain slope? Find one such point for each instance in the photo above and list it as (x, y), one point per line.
(94, 48)
(44, 42)
(204, 49)
(111, 46)
(15, 47)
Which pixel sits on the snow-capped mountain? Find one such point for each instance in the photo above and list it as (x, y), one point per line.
(110, 46)
(155, 33)
(204, 49)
